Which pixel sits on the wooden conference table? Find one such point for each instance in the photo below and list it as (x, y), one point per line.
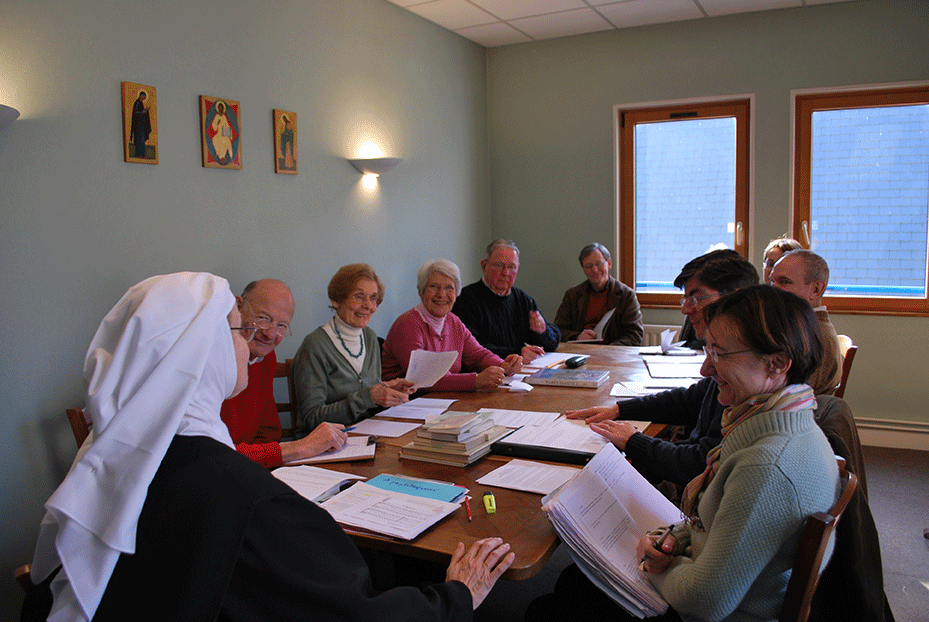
(519, 519)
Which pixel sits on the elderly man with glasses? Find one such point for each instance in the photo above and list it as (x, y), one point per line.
(697, 407)
(504, 319)
(267, 307)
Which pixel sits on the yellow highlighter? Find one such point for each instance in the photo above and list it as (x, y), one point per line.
(490, 504)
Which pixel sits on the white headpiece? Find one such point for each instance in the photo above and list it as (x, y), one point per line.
(160, 364)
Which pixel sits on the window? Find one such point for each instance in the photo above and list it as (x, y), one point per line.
(683, 190)
(861, 195)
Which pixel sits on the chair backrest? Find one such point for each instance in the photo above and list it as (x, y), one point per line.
(285, 370)
(813, 543)
(652, 336)
(848, 350)
(79, 424)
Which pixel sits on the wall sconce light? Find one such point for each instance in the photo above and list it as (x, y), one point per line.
(7, 115)
(374, 166)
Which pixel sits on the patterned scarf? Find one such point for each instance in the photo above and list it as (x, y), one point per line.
(792, 398)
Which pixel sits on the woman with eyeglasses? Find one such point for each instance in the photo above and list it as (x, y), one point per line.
(432, 326)
(337, 369)
(160, 518)
(731, 558)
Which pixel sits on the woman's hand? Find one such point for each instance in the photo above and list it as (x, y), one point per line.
(512, 364)
(530, 353)
(480, 567)
(392, 392)
(490, 378)
(594, 415)
(326, 436)
(653, 560)
(617, 432)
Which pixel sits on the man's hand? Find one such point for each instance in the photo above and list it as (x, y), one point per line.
(617, 432)
(480, 567)
(594, 415)
(530, 353)
(585, 335)
(326, 436)
(537, 322)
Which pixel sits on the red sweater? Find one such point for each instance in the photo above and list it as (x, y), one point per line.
(251, 416)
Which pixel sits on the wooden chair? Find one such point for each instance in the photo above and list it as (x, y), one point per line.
(813, 541)
(285, 370)
(652, 336)
(79, 425)
(848, 350)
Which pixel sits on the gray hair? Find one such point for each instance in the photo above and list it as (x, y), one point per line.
(593, 246)
(443, 267)
(816, 267)
(501, 242)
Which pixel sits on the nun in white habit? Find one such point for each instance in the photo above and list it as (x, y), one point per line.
(160, 518)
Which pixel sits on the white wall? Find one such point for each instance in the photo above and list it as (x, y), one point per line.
(79, 225)
(552, 149)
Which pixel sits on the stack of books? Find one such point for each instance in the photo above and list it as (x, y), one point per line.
(455, 438)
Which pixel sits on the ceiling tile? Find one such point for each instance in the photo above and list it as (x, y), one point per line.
(493, 35)
(715, 8)
(645, 12)
(452, 14)
(562, 24)
(511, 9)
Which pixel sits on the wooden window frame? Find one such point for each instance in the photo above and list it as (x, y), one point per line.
(739, 107)
(805, 103)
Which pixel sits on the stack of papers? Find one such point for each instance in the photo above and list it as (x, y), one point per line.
(529, 476)
(314, 483)
(601, 514)
(565, 440)
(355, 448)
(384, 512)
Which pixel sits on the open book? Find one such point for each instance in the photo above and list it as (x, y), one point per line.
(601, 514)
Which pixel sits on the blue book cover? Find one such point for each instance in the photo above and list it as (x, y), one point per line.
(450, 493)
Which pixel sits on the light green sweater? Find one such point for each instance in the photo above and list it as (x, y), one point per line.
(776, 469)
(327, 387)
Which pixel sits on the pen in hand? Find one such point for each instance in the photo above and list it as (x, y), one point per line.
(658, 543)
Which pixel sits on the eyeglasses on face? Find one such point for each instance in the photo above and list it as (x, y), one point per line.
(499, 266)
(247, 332)
(436, 288)
(693, 300)
(713, 355)
(359, 299)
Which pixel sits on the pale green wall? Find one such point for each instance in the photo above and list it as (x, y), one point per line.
(79, 225)
(552, 158)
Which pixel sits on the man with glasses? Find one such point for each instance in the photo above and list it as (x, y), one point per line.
(697, 407)
(584, 306)
(267, 307)
(806, 274)
(504, 319)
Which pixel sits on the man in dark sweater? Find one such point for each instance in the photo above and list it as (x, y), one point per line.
(504, 319)
(703, 280)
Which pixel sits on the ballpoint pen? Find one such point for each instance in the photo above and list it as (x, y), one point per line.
(659, 542)
(468, 506)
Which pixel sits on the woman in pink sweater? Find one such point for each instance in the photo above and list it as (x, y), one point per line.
(432, 326)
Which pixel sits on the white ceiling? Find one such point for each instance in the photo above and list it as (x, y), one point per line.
(503, 22)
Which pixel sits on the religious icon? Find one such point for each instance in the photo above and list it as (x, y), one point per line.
(220, 130)
(285, 142)
(140, 123)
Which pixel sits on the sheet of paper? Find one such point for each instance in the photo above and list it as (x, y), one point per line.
(529, 476)
(312, 482)
(390, 513)
(670, 359)
(598, 329)
(518, 386)
(650, 386)
(688, 369)
(430, 402)
(379, 427)
(562, 434)
(519, 418)
(549, 359)
(427, 367)
(408, 411)
(355, 448)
